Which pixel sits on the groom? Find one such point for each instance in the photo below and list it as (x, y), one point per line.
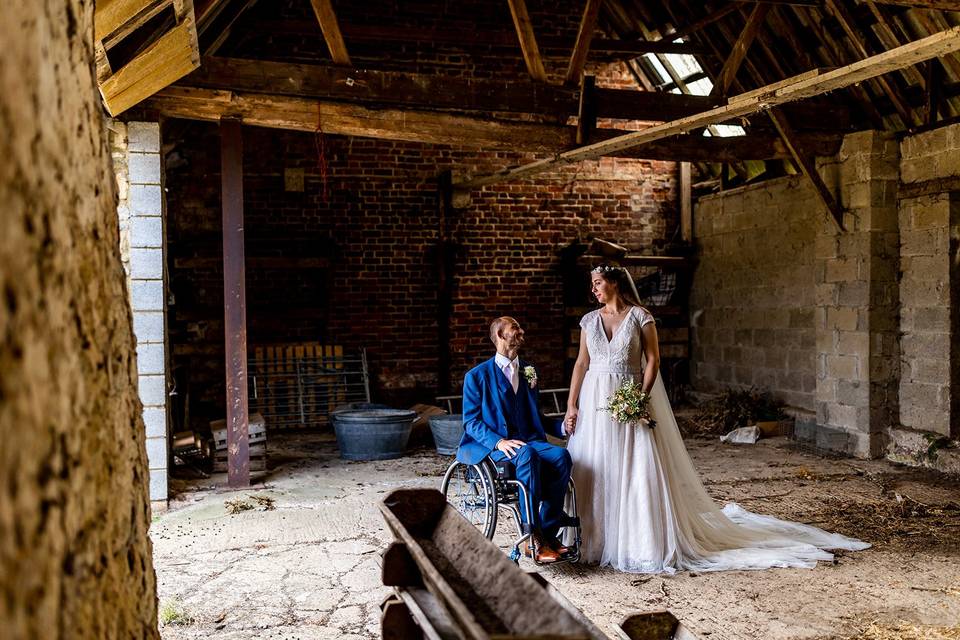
(502, 419)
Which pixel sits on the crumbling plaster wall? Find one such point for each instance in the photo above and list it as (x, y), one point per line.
(74, 554)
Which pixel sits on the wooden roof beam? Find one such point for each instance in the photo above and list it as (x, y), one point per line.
(942, 5)
(578, 59)
(739, 51)
(331, 31)
(299, 114)
(847, 23)
(528, 40)
(805, 87)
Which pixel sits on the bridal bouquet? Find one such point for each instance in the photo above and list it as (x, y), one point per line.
(629, 404)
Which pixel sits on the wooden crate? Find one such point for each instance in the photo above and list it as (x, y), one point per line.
(258, 458)
(256, 431)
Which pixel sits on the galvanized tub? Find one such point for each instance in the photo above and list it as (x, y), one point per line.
(447, 431)
(372, 434)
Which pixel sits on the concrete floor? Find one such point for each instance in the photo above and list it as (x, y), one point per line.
(310, 568)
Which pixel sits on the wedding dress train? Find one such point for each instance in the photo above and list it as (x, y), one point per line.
(642, 505)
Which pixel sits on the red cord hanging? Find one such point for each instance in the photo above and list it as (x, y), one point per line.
(322, 166)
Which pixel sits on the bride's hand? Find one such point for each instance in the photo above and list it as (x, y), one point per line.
(570, 420)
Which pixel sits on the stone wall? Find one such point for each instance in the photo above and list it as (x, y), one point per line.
(929, 296)
(752, 301)
(74, 553)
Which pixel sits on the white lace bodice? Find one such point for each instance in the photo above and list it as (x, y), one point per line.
(625, 349)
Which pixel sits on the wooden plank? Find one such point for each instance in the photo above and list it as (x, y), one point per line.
(578, 59)
(739, 50)
(167, 60)
(102, 62)
(942, 5)
(909, 54)
(111, 15)
(587, 113)
(807, 164)
(235, 303)
(849, 25)
(528, 40)
(149, 10)
(331, 31)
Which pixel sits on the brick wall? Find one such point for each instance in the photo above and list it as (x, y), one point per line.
(752, 300)
(362, 264)
(360, 268)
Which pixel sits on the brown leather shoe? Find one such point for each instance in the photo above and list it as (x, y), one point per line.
(560, 550)
(542, 553)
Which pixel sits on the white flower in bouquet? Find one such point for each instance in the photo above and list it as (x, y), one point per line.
(630, 405)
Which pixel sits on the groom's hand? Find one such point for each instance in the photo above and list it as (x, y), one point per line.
(509, 448)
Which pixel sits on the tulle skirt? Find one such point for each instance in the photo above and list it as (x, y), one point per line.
(644, 509)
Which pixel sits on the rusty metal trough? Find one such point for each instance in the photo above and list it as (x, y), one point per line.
(453, 583)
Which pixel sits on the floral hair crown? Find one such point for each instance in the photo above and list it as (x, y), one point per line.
(605, 268)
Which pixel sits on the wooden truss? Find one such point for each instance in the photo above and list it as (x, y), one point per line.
(163, 58)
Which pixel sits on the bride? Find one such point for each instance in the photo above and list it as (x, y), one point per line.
(642, 506)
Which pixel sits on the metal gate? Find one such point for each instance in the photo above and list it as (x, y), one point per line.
(298, 385)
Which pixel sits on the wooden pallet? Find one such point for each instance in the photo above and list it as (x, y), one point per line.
(258, 458)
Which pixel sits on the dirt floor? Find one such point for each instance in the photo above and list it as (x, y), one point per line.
(299, 557)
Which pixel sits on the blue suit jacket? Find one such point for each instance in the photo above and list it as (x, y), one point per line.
(487, 402)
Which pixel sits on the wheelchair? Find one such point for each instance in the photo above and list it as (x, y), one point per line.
(480, 491)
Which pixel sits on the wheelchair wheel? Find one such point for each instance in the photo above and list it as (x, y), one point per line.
(470, 489)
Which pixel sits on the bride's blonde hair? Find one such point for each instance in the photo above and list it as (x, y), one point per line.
(619, 276)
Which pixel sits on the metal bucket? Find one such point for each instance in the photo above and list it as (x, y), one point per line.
(447, 431)
(372, 434)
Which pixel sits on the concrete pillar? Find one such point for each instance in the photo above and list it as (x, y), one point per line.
(138, 167)
(857, 301)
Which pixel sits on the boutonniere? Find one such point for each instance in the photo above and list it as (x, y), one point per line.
(531, 375)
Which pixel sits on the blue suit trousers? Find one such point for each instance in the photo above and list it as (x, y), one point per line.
(545, 470)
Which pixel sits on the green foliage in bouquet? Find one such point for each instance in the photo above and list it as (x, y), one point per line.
(629, 404)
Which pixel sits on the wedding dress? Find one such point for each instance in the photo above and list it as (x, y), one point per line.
(642, 506)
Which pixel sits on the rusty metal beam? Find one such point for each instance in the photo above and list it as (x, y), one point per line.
(234, 302)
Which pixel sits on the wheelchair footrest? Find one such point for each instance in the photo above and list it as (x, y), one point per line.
(569, 521)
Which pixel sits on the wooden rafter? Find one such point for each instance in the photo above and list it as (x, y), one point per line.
(298, 114)
(578, 59)
(429, 92)
(740, 47)
(123, 16)
(331, 31)
(847, 23)
(528, 40)
(805, 161)
(805, 87)
(942, 5)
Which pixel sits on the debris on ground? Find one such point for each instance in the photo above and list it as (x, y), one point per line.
(261, 503)
(172, 611)
(732, 409)
(876, 630)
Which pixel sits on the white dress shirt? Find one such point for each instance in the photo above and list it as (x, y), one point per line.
(511, 369)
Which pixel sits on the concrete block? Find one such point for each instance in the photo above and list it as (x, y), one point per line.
(143, 136)
(841, 270)
(928, 212)
(150, 359)
(146, 295)
(158, 484)
(146, 200)
(153, 389)
(853, 343)
(933, 319)
(146, 232)
(853, 393)
(853, 294)
(155, 421)
(157, 453)
(843, 367)
(146, 264)
(842, 318)
(144, 168)
(148, 326)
